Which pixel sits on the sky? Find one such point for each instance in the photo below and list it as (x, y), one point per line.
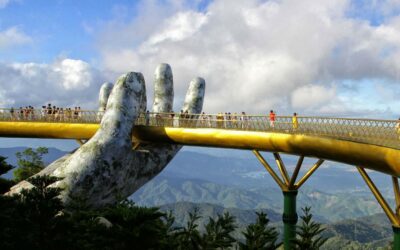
(328, 58)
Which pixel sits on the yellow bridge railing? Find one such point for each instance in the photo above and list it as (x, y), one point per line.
(370, 131)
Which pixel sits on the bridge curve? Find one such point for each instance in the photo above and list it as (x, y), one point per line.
(373, 144)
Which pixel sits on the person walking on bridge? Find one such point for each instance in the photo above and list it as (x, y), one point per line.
(171, 119)
(295, 122)
(398, 127)
(272, 118)
(43, 112)
(244, 120)
(12, 113)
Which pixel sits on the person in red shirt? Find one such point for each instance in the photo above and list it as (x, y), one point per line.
(272, 118)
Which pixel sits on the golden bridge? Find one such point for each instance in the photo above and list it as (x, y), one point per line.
(364, 143)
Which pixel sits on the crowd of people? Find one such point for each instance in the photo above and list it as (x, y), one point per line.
(46, 113)
(183, 119)
(227, 120)
(221, 120)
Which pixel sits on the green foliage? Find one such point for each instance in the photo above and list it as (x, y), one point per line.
(29, 162)
(259, 235)
(37, 219)
(4, 168)
(218, 232)
(29, 220)
(189, 238)
(136, 226)
(308, 233)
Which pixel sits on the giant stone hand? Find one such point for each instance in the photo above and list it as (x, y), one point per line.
(106, 168)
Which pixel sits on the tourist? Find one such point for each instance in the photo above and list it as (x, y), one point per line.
(181, 118)
(49, 111)
(12, 113)
(43, 112)
(234, 120)
(243, 120)
(206, 120)
(187, 117)
(26, 113)
(32, 113)
(76, 113)
(62, 114)
(203, 119)
(21, 113)
(295, 122)
(272, 119)
(175, 121)
(69, 114)
(171, 119)
(224, 118)
(79, 113)
(220, 120)
(228, 120)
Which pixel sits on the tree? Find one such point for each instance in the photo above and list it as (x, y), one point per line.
(29, 163)
(4, 168)
(218, 232)
(308, 233)
(135, 227)
(29, 219)
(259, 235)
(189, 237)
(172, 231)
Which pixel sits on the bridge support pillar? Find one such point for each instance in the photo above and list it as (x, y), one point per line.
(396, 237)
(393, 215)
(289, 218)
(289, 188)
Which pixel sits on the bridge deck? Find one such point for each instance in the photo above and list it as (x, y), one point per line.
(374, 144)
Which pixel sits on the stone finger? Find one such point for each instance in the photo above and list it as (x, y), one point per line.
(122, 107)
(195, 96)
(104, 93)
(163, 89)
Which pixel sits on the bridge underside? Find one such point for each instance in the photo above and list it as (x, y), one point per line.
(383, 159)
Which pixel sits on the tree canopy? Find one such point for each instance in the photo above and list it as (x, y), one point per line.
(29, 162)
(5, 184)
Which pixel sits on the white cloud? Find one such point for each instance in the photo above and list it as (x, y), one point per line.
(257, 55)
(12, 37)
(66, 82)
(75, 74)
(313, 96)
(181, 26)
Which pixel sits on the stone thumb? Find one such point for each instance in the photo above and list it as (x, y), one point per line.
(122, 107)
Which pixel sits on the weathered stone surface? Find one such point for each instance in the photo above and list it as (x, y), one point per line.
(163, 89)
(195, 96)
(106, 169)
(104, 93)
